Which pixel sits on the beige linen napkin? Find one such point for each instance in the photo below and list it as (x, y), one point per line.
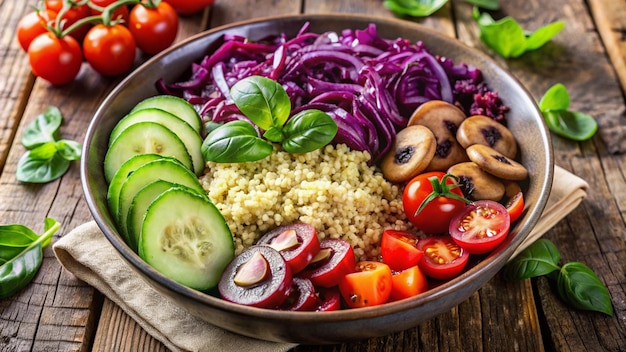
(89, 256)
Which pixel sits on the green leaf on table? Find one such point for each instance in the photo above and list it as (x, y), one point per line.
(43, 129)
(414, 8)
(574, 125)
(37, 170)
(540, 258)
(18, 270)
(13, 239)
(308, 130)
(69, 150)
(579, 286)
(235, 142)
(507, 37)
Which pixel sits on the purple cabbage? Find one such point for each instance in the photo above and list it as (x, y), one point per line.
(369, 85)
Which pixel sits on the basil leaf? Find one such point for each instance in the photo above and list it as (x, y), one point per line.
(309, 130)
(579, 286)
(44, 151)
(571, 124)
(540, 258)
(34, 170)
(274, 134)
(13, 239)
(16, 272)
(262, 100)
(543, 35)
(555, 98)
(69, 150)
(43, 129)
(414, 8)
(235, 142)
(485, 4)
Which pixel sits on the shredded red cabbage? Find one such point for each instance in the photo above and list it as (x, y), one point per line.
(369, 85)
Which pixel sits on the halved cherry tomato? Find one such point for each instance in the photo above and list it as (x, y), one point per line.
(74, 14)
(57, 60)
(408, 283)
(328, 298)
(398, 249)
(444, 200)
(188, 7)
(515, 206)
(31, 26)
(370, 285)
(154, 29)
(334, 260)
(298, 244)
(481, 226)
(443, 259)
(110, 50)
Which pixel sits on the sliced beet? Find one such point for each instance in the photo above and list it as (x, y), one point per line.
(272, 288)
(302, 296)
(297, 243)
(328, 299)
(336, 260)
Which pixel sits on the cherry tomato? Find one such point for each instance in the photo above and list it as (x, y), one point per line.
(31, 26)
(515, 206)
(188, 7)
(334, 260)
(121, 12)
(370, 285)
(398, 249)
(110, 50)
(298, 244)
(443, 259)
(57, 60)
(73, 15)
(481, 226)
(154, 29)
(407, 283)
(435, 216)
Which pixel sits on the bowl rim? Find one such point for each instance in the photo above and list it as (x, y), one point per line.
(443, 290)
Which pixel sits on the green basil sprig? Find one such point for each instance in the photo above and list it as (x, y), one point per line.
(577, 285)
(48, 157)
(507, 37)
(574, 125)
(424, 8)
(266, 104)
(21, 254)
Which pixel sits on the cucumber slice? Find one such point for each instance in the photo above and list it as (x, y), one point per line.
(174, 105)
(185, 237)
(161, 169)
(113, 193)
(139, 206)
(189, 136)
(144, 138)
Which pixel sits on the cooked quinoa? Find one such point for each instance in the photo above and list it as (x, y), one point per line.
(334, 189)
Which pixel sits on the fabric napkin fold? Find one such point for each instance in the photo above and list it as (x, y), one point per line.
(90, 257)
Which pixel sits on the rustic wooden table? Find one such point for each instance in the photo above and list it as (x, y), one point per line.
(57, 312)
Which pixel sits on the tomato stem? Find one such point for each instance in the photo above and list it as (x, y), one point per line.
(441, 189)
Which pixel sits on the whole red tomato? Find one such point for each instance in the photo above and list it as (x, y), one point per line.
(430, 201)
(110, 50)
(121, 12)
(57, 60)
(31, 26)
(154, 29)
(74, 14)
(188, 7)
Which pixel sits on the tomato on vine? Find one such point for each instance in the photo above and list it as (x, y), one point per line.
(57, 60)
(431, 199)
(121, 13)
(31, 26)
(76, 11)
(154, 26)
(188, 7)
(110, 50)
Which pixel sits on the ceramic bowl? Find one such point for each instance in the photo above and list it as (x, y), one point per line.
(524, 120)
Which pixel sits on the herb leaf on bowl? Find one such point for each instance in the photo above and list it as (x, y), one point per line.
(574, 125)
(424, 8)
(507, 37)
(577, 285)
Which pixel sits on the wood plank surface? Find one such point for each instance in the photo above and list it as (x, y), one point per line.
(57, 312)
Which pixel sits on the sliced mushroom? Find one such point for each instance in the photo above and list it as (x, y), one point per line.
(479, 129)
(412, 151)
(443, 119)
(477, 184)
(496, 163)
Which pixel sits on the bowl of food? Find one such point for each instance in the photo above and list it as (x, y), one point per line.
(306, 134)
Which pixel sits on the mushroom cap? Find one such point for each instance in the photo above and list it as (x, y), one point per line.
(413, 149)
(476, 183)
(480, 129)
(496, 163)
